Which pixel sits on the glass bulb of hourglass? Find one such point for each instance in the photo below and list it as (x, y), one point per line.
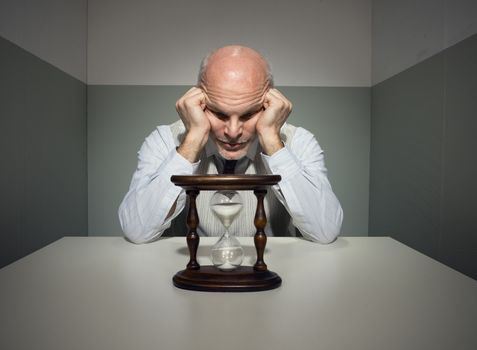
(227, 253)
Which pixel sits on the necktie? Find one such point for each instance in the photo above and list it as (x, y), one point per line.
(229, 166)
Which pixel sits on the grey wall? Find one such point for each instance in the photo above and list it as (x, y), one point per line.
(137, 70)
(120, 117)
(423, 170)
(406, 32)
(43, 182)
(309, 42)
(52, 30)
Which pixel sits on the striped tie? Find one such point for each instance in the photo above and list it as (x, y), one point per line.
(229, 166)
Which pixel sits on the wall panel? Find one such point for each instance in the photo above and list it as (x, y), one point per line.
(423, 171)
(43, 146)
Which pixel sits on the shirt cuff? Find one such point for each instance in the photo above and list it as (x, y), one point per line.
(282, 162)
(182, 165)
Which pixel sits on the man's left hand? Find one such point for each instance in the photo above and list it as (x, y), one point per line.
(277, 109)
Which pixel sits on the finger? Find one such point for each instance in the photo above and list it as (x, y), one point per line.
(278, 94)
(272, 99)
(281, 98)
(266, 101)
(269, 96)
(192, 92)
(195, 97)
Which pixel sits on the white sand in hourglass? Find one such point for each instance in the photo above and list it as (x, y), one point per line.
(226, 212)
(227, 253)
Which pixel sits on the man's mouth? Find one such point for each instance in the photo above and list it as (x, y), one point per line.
(231, 146)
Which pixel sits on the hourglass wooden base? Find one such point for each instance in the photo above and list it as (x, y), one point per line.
(210, 278)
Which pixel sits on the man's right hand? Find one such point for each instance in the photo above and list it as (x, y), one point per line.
(191, 109)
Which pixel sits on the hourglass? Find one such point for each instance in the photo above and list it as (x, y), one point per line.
(227, 274)
(227, 253)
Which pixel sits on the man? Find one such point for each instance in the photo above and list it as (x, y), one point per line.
(234, 120)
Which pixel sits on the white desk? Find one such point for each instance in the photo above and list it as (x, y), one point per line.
(105, 293)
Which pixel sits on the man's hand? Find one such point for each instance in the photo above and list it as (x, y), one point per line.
(277, 109)
(191, 109)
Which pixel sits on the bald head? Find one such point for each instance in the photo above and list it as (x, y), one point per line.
(235, 64)
(234, 81)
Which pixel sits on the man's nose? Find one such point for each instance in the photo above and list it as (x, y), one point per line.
(233, 129)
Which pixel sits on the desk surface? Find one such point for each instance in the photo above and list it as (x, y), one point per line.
(357, 293)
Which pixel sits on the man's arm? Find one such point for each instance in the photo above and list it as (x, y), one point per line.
(152, 200)
(277, 109)
(304, 189)
(190, 108)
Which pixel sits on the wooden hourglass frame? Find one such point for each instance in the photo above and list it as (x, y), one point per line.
(210, 278)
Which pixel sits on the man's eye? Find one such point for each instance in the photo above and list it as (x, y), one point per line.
(221, 116)
(250, 115)
(247, 116)
(218, 115)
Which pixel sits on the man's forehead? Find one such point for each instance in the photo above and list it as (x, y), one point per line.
(242, 109)
(235, 93)
(224, 100)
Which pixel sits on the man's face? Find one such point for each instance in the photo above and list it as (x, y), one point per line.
(233, 111)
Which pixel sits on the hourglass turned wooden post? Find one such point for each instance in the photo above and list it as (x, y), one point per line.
(192, 236)
(260, 238)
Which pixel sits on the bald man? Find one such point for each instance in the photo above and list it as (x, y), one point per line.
(233, 121)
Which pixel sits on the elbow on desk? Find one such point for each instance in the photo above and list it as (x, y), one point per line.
(333, 229)
(136, 239)
(134, 232)
(138, 236)
(131, 234)
(325, 234)
(328, 239)
(322, 238)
